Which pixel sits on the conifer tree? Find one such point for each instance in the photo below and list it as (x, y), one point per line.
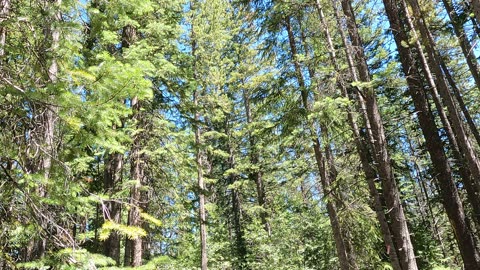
(450, 197)
(239, 134)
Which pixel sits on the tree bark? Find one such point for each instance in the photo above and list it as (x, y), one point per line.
(461, 103)
(331, 208)
(465, 45)
(44, 138)
(329, 165)
(448, 189)
(201, 196)
(4, 13)
(321, 162)
(464, 171)
(465, 147)
(199, 159)
(429, 215)
(399, 226)
(112, 181)
(133, 247)
(475, 4)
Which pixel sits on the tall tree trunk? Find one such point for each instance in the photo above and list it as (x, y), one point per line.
(127, 258)
(455, 118)
(465, 147)
(461, 103)
(475, 5)
(256, 175)
(360, 142)
(111, 182)
(47, 114)
(339, 197)
(321, 161)
(469, 182)
(330, 167)
(331, 208)
(429, 215)
(199, 159)
(465, 45)
(133, 247)
(448, 189)
(51, 111)
(113, 179)
(399, 226)
(147, 241)
(4, 12)
(463, 170)
(201, 186)
(473, 190)
(361, 145)
(240, 245)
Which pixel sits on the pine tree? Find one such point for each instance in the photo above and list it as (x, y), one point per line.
(239, 134)
(449, 192)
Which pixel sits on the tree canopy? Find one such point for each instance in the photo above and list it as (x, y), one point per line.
(244, 134)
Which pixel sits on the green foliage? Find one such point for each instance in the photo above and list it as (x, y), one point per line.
(129, 231)
(69, 259)
(225, 69)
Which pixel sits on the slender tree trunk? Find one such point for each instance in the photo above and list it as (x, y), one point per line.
(361, 144)
(469, 182)
(134, 216)
(321, 162)
(470, 174)
(448, 189)
(51, 111)
(147, 247)
(112, 184)
(337, 194)
(112, 181)
(201, 185)
(475, 5)
(455, 118)
(331, 208)
(240, 245)
(362, 149)
(199, 159)
(465, 45)
(473, 190)
(258, 178)
(4, 12)
(461, 103)
(331, 171)
(133, 247)
(256, 175)
(392, 198)
(47, 114)
(127, 258)
(429, 215)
